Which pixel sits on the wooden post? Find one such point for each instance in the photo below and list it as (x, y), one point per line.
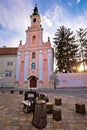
(57, 114)
(58, 101)
(11, 91)
(80, 108)
(40, 115)
(21, 92)
(49, 107)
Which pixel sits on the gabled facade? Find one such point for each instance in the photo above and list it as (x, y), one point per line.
(35, 58)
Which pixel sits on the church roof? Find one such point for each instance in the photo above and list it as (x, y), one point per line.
(8, 51)
(35, 10)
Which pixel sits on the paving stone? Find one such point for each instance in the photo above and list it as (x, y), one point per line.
(16, 128)
(2, 127)
(1, 107)
(61, 129)
(57, 125)
(16, 118)
(85, 126)
(50, 125)
(7, 128)
(22, 119)
(8, 122)
(26, 128)
(13, 118)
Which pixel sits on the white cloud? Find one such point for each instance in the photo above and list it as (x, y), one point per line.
(15, 18)
(69, 3)
(78, 1)
(60, 16)
(47, 21)
(51, 21)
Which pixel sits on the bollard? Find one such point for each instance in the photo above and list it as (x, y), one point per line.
(57, 114)
(49, 107)
(21, 92)
(80, 108)
(58, 101)
(11, 91)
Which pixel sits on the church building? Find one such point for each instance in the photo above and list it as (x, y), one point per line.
(35, 57)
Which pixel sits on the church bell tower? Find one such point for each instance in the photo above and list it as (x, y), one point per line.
(35, 57)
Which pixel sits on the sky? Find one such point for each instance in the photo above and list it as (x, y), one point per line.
(15, 18)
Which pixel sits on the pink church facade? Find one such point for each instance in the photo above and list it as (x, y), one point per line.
(35, 57)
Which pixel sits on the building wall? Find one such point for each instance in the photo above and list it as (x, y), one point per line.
(7, 81)
(42, 65)
(72, 80)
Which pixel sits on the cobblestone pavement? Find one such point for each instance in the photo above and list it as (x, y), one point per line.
(13, 118)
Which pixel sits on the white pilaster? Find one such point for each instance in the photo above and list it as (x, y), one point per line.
(40, 65)
(50, 63)
(18, 66)
(26, 67)
(41, 38)
(27, 39)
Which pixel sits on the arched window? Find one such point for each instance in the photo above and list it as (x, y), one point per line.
(33, 55)
(34, 38)
(34, 20)
(33, 65)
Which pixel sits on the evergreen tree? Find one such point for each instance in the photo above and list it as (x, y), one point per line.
(65, 49)
(82, 41)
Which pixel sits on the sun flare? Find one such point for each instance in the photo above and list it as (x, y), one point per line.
(81, 68)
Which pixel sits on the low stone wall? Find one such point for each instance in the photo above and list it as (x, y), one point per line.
(72, 80)
(7, 84)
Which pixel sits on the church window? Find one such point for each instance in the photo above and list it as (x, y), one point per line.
(33, 65)
(34, 20)
(33, 55)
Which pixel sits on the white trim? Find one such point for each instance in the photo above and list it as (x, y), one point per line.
(50, 63)
(40, 65)
(26, 67)
(41, 38)
(18, 66)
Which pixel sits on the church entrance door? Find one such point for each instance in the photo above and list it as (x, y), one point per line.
(33, 82)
